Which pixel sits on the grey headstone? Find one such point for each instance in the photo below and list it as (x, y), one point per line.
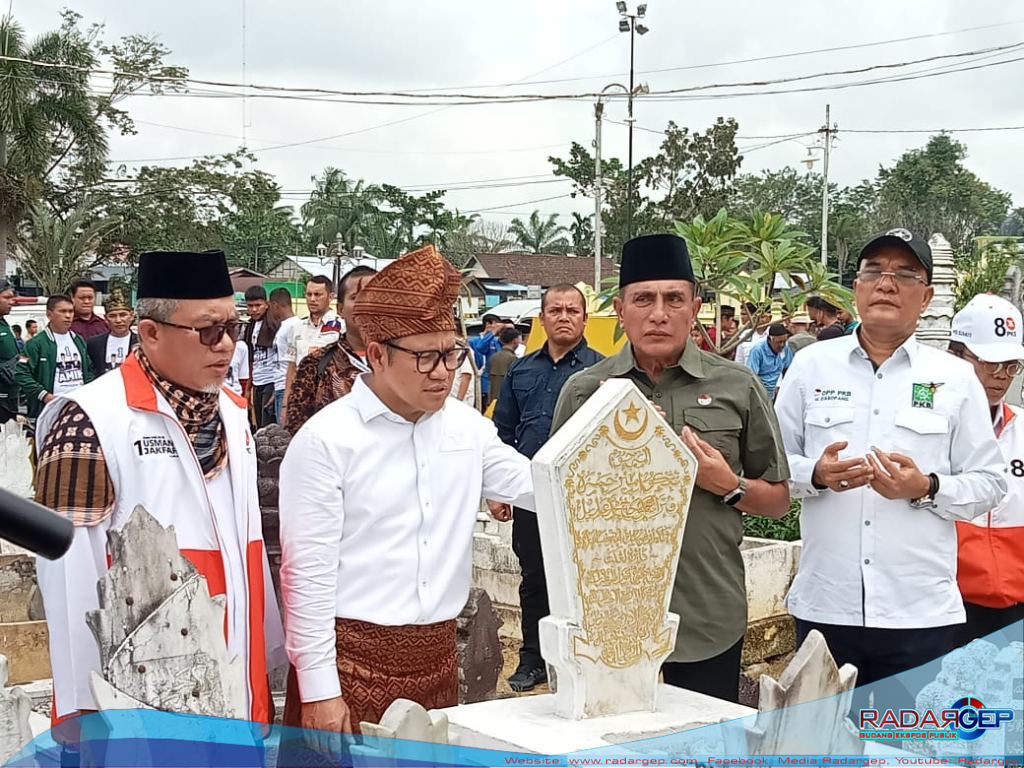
(479, 649)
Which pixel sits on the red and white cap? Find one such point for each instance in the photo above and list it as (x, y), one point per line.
(991, 328)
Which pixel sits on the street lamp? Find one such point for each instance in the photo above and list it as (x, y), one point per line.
(628, 23)
(336, 252)
(826, 134)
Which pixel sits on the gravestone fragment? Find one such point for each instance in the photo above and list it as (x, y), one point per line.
(479, 649)
(613, 489)
(790, 724)
(160, 634)
(15, 707)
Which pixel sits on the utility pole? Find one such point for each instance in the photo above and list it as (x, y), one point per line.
(598, 113)
(826, 132)
(339, 252)
(629, 173)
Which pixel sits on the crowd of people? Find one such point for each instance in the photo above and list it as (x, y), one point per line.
(907, 460)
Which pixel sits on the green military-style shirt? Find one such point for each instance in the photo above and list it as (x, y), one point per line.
(727, 406)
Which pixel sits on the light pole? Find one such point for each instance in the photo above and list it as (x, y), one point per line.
(628, 23)
(337, 250)
(598, 182)
(826, 133)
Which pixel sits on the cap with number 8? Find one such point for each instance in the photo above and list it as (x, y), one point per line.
(991, 328)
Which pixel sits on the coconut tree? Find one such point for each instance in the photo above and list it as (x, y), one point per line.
(539, 235)
(57, 249)
(44, 110)
(339, 205)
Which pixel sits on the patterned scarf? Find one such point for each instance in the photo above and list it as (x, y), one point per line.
(199, 414)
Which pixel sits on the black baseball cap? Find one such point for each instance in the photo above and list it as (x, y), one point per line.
(901, 238)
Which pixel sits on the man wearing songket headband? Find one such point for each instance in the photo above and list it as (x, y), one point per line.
(376, 552)
(162, 432)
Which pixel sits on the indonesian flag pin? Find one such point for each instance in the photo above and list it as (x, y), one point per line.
(704, 400)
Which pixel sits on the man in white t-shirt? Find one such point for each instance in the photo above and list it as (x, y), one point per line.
(259, 335)
(55, 362)
(320, 328)
(238, 376)
(281, 310)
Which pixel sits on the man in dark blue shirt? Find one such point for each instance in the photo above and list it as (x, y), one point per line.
(523, 418)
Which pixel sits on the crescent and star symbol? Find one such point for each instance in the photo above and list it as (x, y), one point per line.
(632, 414)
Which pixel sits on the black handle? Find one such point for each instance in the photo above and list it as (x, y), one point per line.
(34, 527)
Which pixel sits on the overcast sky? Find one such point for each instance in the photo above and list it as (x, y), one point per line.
(404, 45)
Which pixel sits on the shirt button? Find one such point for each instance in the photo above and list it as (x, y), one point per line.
(867, 561)
(866, 522)
(657, 395)
(879, 375)
(827, 419)
(877, 411)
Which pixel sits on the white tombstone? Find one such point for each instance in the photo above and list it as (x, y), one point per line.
(15, 709)
(613, 490)
(937, 319)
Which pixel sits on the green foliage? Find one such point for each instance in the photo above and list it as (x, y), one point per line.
(539, 235)
(984, 272)
(745, 259)
(929, 190)
(691, 174)
(786, 529)
(61, 248)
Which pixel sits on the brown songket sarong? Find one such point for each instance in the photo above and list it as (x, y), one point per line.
(378, 664)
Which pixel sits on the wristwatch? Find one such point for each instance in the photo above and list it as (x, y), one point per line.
(928, 500)
(735, 497)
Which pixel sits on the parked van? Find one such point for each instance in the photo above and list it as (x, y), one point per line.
(33, 308)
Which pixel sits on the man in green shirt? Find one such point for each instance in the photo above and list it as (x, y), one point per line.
(725, 417)
(8, 356)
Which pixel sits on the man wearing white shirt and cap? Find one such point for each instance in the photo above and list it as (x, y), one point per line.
(889, 443)
(987, 333)
(377, 551)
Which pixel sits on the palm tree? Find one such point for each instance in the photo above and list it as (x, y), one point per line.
(339, 205)
(58, 249)
(539, 236)
(46, 114)
(582, 233)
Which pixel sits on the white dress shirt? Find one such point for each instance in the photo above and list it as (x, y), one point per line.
(867, 560)
(377, 516)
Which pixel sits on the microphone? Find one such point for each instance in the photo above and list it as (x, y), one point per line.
(34, 527)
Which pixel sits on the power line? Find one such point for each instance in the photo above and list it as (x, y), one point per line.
(373, 97)
(756, 59)
(522, 202)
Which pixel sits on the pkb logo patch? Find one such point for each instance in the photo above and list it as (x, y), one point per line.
(924, 395)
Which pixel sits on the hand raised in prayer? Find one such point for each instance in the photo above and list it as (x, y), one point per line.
(841, 475)
(500, 512)
(327, 715)
(897, 477)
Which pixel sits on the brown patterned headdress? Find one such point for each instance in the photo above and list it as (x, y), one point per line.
(116, 298)
(413, 295)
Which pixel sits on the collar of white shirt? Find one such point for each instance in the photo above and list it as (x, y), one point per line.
(910, 347)
(370, 406)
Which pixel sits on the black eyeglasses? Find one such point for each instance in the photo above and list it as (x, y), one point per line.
(209, 335)
(428, 360)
